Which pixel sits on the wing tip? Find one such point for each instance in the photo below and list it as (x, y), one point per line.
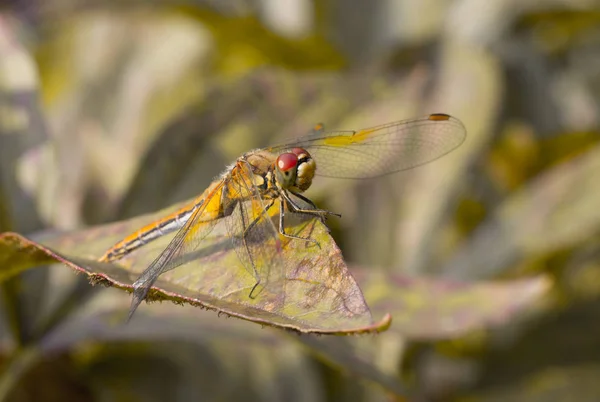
(439, 117)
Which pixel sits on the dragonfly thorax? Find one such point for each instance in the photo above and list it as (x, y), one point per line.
(295, 170)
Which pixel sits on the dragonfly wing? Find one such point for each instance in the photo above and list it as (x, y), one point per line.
(383, 149)
(187, 239)
(254, 235)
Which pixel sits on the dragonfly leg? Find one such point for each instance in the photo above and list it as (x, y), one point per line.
(282, 226)
(255, 221)
(322, 213)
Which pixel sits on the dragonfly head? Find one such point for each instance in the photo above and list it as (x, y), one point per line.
(295, 170)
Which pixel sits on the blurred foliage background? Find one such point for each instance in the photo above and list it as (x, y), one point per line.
(112, 109)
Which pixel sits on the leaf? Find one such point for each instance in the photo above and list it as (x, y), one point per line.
(353, 356)
(425, 309)
(556, 210)
(23, 136)
(439, 308)
(430, 191)
(320, 294)
(574, 382)
(96, 323)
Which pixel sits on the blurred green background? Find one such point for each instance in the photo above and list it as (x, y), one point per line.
(112, 109)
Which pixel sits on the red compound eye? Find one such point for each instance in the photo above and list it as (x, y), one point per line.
(300, 151)
(287, 161)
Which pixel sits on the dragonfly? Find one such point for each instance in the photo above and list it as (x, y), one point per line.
(243, 195)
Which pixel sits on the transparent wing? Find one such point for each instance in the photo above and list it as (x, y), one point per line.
(254, 236)
(187, 239)
(382, 149)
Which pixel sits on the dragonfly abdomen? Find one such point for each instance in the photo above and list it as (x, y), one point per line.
(148, 233)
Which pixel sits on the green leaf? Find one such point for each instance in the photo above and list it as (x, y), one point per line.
(96, 323)
(439, 308)
(556, 210)
(575, 382)
(319, 295)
